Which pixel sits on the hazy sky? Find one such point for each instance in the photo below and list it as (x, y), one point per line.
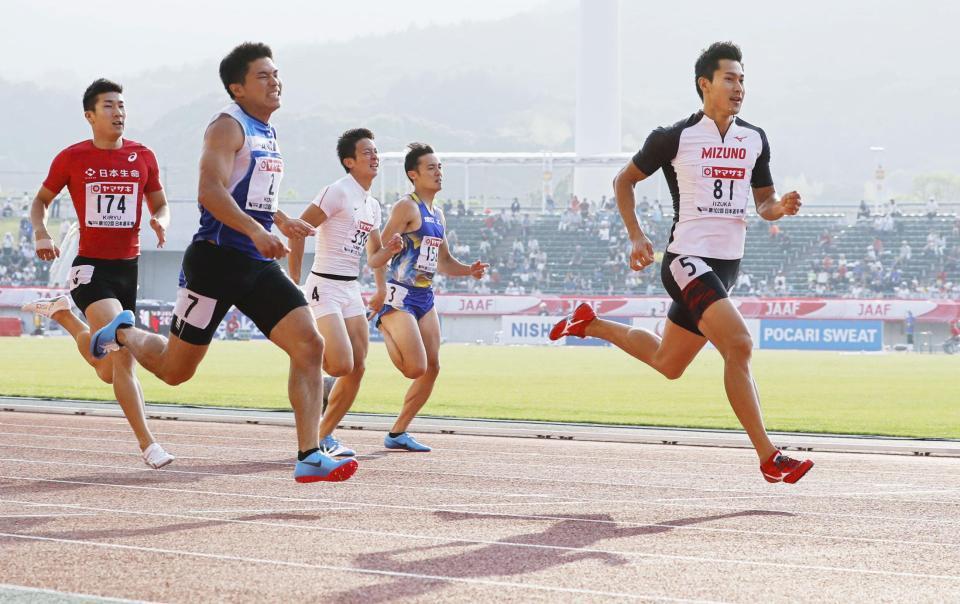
(78, 40)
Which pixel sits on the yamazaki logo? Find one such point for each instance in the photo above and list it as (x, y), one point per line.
(724, 173)
(723, 153)
(113, 189)
(271, 165)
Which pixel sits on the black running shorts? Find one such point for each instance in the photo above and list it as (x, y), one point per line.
(93, 279)
(695, 283)
(214, 278)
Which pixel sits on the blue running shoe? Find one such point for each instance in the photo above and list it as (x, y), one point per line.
(405, 442)
(332, 448)
(317, 467)
(105, 340)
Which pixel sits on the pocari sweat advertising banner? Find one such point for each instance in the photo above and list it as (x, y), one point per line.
(821, 335)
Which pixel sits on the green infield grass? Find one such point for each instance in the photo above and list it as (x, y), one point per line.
(890, 394)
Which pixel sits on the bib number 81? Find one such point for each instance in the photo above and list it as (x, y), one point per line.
(718, 189)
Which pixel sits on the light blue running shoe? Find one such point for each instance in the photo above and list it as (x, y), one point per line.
(333, 448)
(105, 340)
(318, 467)
(406, 442)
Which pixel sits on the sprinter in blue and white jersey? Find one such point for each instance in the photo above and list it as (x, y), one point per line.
(232, 260)
(408, 320)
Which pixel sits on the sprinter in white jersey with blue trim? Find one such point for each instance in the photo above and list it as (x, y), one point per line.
(348, 221)
(232, 260)
(715, 163)
(408, 319)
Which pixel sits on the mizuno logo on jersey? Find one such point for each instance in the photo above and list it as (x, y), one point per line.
(723, 153)
(740, 139)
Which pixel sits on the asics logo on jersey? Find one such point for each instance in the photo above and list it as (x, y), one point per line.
(132, 157)
(740, 139)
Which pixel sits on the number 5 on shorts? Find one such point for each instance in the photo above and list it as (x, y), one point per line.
(687, 268)
(194, 309)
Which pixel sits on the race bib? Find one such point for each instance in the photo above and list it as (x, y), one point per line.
(111, 205)
(396, 294)
(355, 246)
(80, 274)
(687, 268)
(722, 192)
(263, 193)
(193, 309)
(429, 252)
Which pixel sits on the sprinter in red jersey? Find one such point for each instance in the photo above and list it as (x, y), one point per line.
(108, 178)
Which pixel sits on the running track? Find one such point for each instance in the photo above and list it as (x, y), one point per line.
(479, 519)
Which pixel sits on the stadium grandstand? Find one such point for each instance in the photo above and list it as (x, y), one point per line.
(581, 248)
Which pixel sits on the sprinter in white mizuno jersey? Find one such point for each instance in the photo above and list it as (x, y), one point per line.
(714, 162)
(348, 221)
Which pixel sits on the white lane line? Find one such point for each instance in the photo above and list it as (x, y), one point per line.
(280, 465)
(643, 446)
(535, 517)
(446, 473)
(653, 501)
(269, 510)
(758, 494)
(751, 495)
(507, 544)
(43, 515)
(69, 594)
(863, 495)
(504, 505)
(349, 569)
(518, 428)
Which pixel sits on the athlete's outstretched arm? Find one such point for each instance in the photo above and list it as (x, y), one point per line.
(771, 208)
(222, 140)
(38, 217)
(448, 265)
(313, 216)
(159, 215)
(641, 254)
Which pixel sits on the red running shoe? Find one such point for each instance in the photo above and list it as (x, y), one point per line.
(782, 468)
(575, 324)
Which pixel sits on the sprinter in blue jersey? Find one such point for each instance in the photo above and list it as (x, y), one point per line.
(408, 319)
(232, 260)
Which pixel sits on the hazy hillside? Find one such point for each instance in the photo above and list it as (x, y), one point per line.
(510, 85)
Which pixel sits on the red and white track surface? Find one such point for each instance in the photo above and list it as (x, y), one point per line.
(482, 518)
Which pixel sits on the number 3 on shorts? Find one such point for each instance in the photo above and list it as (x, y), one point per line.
(687, 268)
(194, 309)
(395, 295)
